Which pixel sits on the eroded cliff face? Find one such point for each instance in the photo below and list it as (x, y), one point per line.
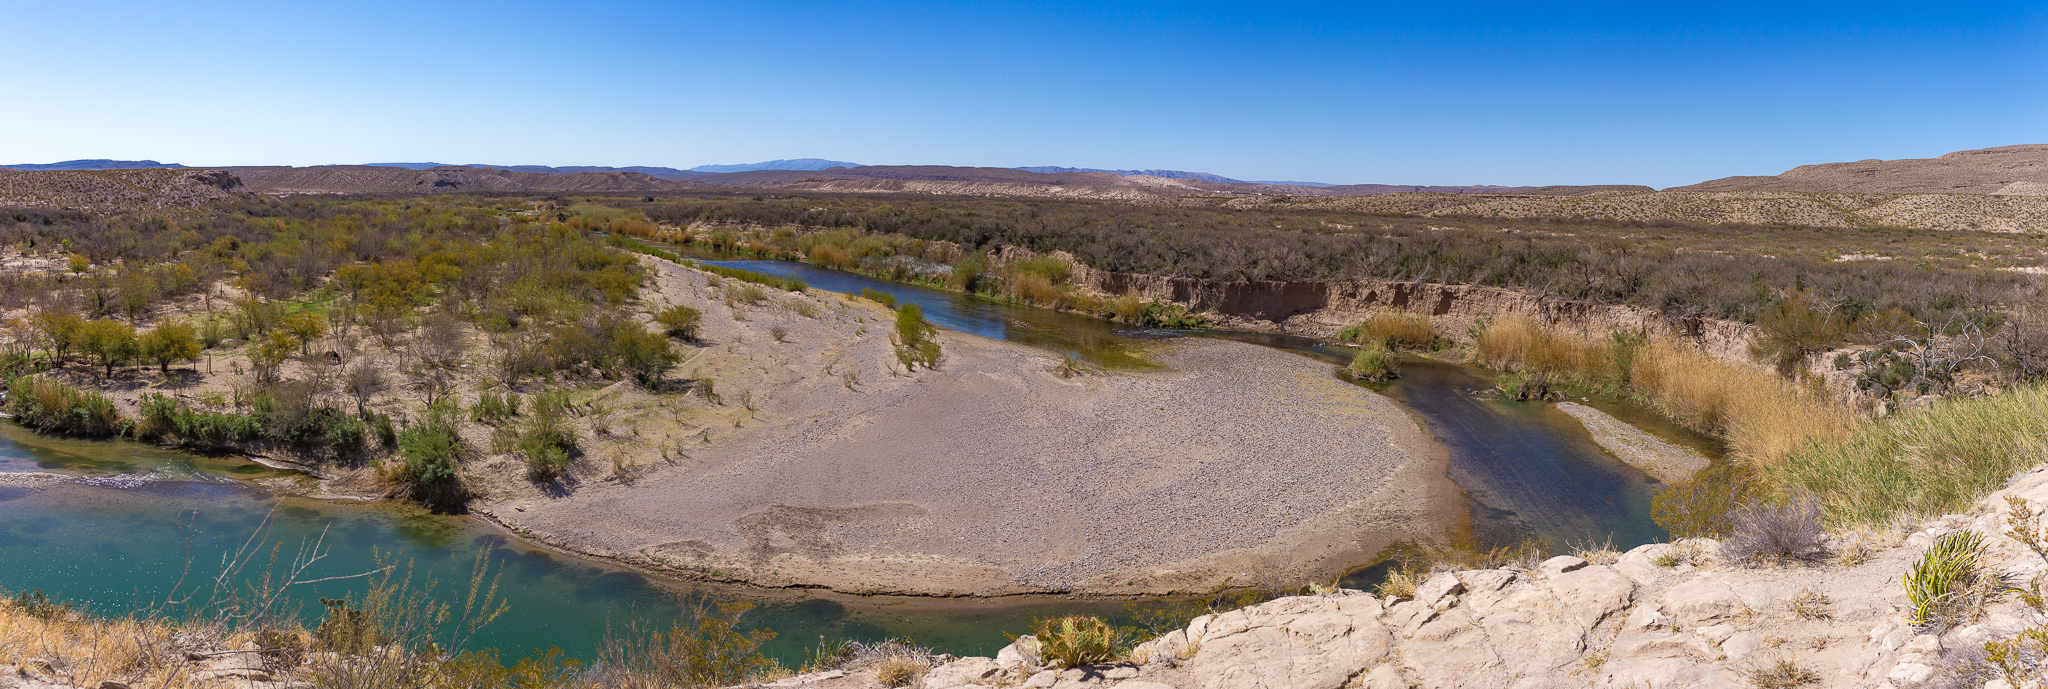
(1321, 308)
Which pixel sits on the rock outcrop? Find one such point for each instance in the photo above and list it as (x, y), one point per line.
(1662, 615)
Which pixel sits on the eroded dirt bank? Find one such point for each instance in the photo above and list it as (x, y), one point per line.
(997, 475)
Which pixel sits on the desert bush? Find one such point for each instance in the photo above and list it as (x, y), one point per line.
(680, 321)
(53, 406)
(1703, 506)
(430, 448)
(1158, 314)
(547, 441)
(1798, 325)
(1396, 329)
(1765, 532)
(1946, 585)
(169, 342)
(1375, 362)
(901, 670)
(879, 297)
(704, 649)
(493, 406)
(916, 340)
(1780, 672)
(1075, 640)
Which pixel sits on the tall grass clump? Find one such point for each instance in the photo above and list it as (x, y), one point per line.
(1762, 416)
(53, 406)
(705, 649)
(1928, 462)
(1375, 362)
(1396, 329)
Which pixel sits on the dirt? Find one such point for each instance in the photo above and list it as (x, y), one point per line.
(992, 475)
(1669, 463)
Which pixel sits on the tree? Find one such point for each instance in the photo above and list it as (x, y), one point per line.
(79, 264)
(269, 353)
(60, 330)
(1796, 326)
(112, 342)
(363, 382)
(304, 329)
(136, 291)
(170, 341)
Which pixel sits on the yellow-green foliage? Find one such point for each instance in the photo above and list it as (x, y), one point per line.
(1932, 461)
(1375, 362)
(1075, 640)
(56, 407)
(1943, 577)
(1396, 329)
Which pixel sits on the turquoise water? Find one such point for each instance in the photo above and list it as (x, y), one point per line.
(150, 518)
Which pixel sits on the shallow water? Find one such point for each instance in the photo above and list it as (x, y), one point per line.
(121, 544)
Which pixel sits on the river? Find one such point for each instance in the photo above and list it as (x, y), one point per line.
(147, 518)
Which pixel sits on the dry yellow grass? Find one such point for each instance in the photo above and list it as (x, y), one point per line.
(83, 650)
(1763, 417)
(1395, 329)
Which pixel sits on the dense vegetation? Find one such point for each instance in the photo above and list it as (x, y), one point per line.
(1732, 272)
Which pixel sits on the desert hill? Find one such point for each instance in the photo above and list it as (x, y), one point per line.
(2019, 169)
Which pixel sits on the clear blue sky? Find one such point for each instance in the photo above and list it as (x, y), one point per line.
(1463, 93)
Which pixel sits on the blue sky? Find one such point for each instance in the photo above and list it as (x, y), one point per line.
(1401, 93)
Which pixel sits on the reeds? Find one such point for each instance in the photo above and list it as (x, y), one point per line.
(1395, 329)
(1927, 462)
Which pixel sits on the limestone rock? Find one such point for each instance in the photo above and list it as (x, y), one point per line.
(964, 672)
(1559, 565)
(1305, 642)
(1701, 601)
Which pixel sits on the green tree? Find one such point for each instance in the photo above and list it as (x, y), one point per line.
(170, 341)
(1798, 325)
(112, 342)
(304, 329)
(60, 330)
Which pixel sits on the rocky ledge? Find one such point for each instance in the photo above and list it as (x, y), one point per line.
(1665, 615)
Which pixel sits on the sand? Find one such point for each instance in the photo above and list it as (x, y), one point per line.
(994, 474)
(1669, 463)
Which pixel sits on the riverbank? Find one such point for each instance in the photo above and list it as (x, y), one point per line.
(997, 475)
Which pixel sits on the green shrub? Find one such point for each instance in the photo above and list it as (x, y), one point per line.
(680, 321)
(1158, 314)
(547, 441)
(1523, 386)
(879, 297)
(1375, 362)
(1395, 329)
(704, 649)
(492, 406)
(1075, 640)
(53, 406)
(781, 283)
(430, 449)
(916, 341)
(1941, 584)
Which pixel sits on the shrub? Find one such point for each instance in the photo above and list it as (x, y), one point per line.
(1798, 325)
(430, 448)
(1780, 673)
(1158, 314)
(645, 355)
(1375, 362)
(1396, 329)
(879, 297)
(1075, 640)
(900, 670)
(680, 321)
(781, 283)
(547, 440)
(1703, 506)
(53, 406)
(916, 341)
(1941, 585)
(704, 649)
(1523, 386)
(1762, 532)
(492, 406)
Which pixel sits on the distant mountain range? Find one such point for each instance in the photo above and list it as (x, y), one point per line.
(92, 164)
(1169, 174)
(788, 164)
